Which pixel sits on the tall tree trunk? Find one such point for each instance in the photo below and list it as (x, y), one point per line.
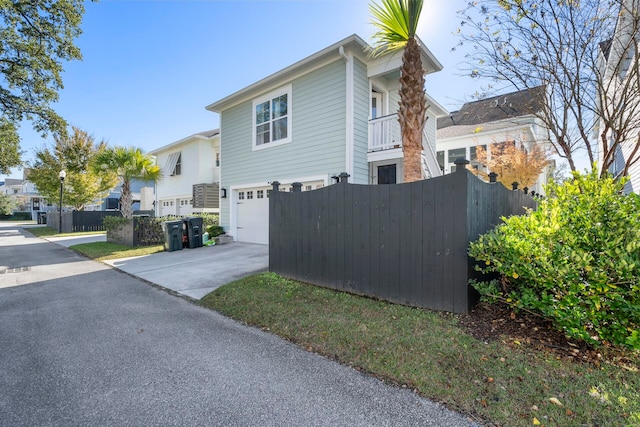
(412, 111)
(126, 203)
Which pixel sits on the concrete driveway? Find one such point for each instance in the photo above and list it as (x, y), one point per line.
(196, 272)
(189, 272)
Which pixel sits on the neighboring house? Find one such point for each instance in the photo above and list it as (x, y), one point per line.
(619, 66)
(498, 119)
(142, 195)
(332, 112)
(26, 196)
(191, 175)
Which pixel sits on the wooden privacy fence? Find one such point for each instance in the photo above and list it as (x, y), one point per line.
(404, 243)
(77, 221)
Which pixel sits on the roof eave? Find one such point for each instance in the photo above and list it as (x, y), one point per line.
(436, 108)
(185, 140)
(352, 40)
(432, 61)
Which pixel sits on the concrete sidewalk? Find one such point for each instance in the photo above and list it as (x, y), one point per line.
(189, 272)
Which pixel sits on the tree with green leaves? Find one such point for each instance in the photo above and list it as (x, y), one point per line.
(74, 154)
(9, 146)
(397, 23)
(127, 164)
(36, 38)
(7, 204)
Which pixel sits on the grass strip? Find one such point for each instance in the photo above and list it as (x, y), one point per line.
(102, 251)
(504, 382)
(51, 232)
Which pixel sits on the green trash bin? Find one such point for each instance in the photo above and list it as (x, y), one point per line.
(172, 235)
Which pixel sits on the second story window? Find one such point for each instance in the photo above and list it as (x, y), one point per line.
(178, 169)
(173, 165)
(272, 119)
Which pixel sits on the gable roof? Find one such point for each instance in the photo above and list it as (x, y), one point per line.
(207, 134)
(8, 182)
(354, 42)
(501, 107)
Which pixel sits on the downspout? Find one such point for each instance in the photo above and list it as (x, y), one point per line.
(349, 135)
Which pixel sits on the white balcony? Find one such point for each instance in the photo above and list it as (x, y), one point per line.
(384, 133)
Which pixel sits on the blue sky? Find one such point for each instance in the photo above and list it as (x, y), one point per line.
(150, 67)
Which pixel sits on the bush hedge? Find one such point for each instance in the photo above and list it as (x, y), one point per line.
(17, 216)
(575, 260)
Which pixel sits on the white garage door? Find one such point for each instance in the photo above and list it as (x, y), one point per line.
(252, 220)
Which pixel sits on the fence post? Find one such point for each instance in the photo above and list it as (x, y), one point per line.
(514, 185)
(461, 164)
(493, 177)
(296, 187)
(526, 190)
(276, 186)
(344, 177)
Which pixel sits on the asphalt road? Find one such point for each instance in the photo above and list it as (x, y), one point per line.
(83, 344)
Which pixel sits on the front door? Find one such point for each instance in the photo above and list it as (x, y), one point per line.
(387, 174)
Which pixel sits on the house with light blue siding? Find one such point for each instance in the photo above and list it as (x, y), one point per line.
(332, 112)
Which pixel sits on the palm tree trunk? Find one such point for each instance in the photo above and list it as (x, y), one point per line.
(126, 202)
(412, 111)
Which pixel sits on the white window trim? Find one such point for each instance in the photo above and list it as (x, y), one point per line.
(268, 97)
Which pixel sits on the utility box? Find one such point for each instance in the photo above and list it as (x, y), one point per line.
(194, 232)
(172, 235)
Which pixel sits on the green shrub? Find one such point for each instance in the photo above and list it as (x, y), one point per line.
(208, 219)
(575, 260)
(17, 216)
(111, 222)
(215, 231)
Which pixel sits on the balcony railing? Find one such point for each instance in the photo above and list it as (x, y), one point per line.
(384, 133)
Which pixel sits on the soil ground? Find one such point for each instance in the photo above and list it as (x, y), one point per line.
(499, 322)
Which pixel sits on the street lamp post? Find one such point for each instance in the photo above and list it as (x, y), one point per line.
(62, 175)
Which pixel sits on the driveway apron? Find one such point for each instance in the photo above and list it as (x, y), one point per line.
(84, 344)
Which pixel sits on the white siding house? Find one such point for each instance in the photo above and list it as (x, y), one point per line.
(619, 92)
(191, 161)
(332, 112)
(508, 117)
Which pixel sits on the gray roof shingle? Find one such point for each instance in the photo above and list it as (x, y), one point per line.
(501, 107)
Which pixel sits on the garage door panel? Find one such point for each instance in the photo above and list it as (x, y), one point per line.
(253, 220)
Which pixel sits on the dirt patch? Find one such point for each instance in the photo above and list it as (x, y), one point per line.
(500, 323)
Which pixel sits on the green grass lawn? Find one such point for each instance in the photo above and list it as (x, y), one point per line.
(51, 232)
(502, 382)
(102, 251)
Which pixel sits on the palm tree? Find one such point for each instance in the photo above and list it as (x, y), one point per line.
(127, 163)
(397, 23)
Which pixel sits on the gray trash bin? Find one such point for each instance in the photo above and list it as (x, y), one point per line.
(194, 232)
(172, 235)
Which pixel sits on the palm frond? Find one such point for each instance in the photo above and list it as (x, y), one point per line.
(396, 22)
